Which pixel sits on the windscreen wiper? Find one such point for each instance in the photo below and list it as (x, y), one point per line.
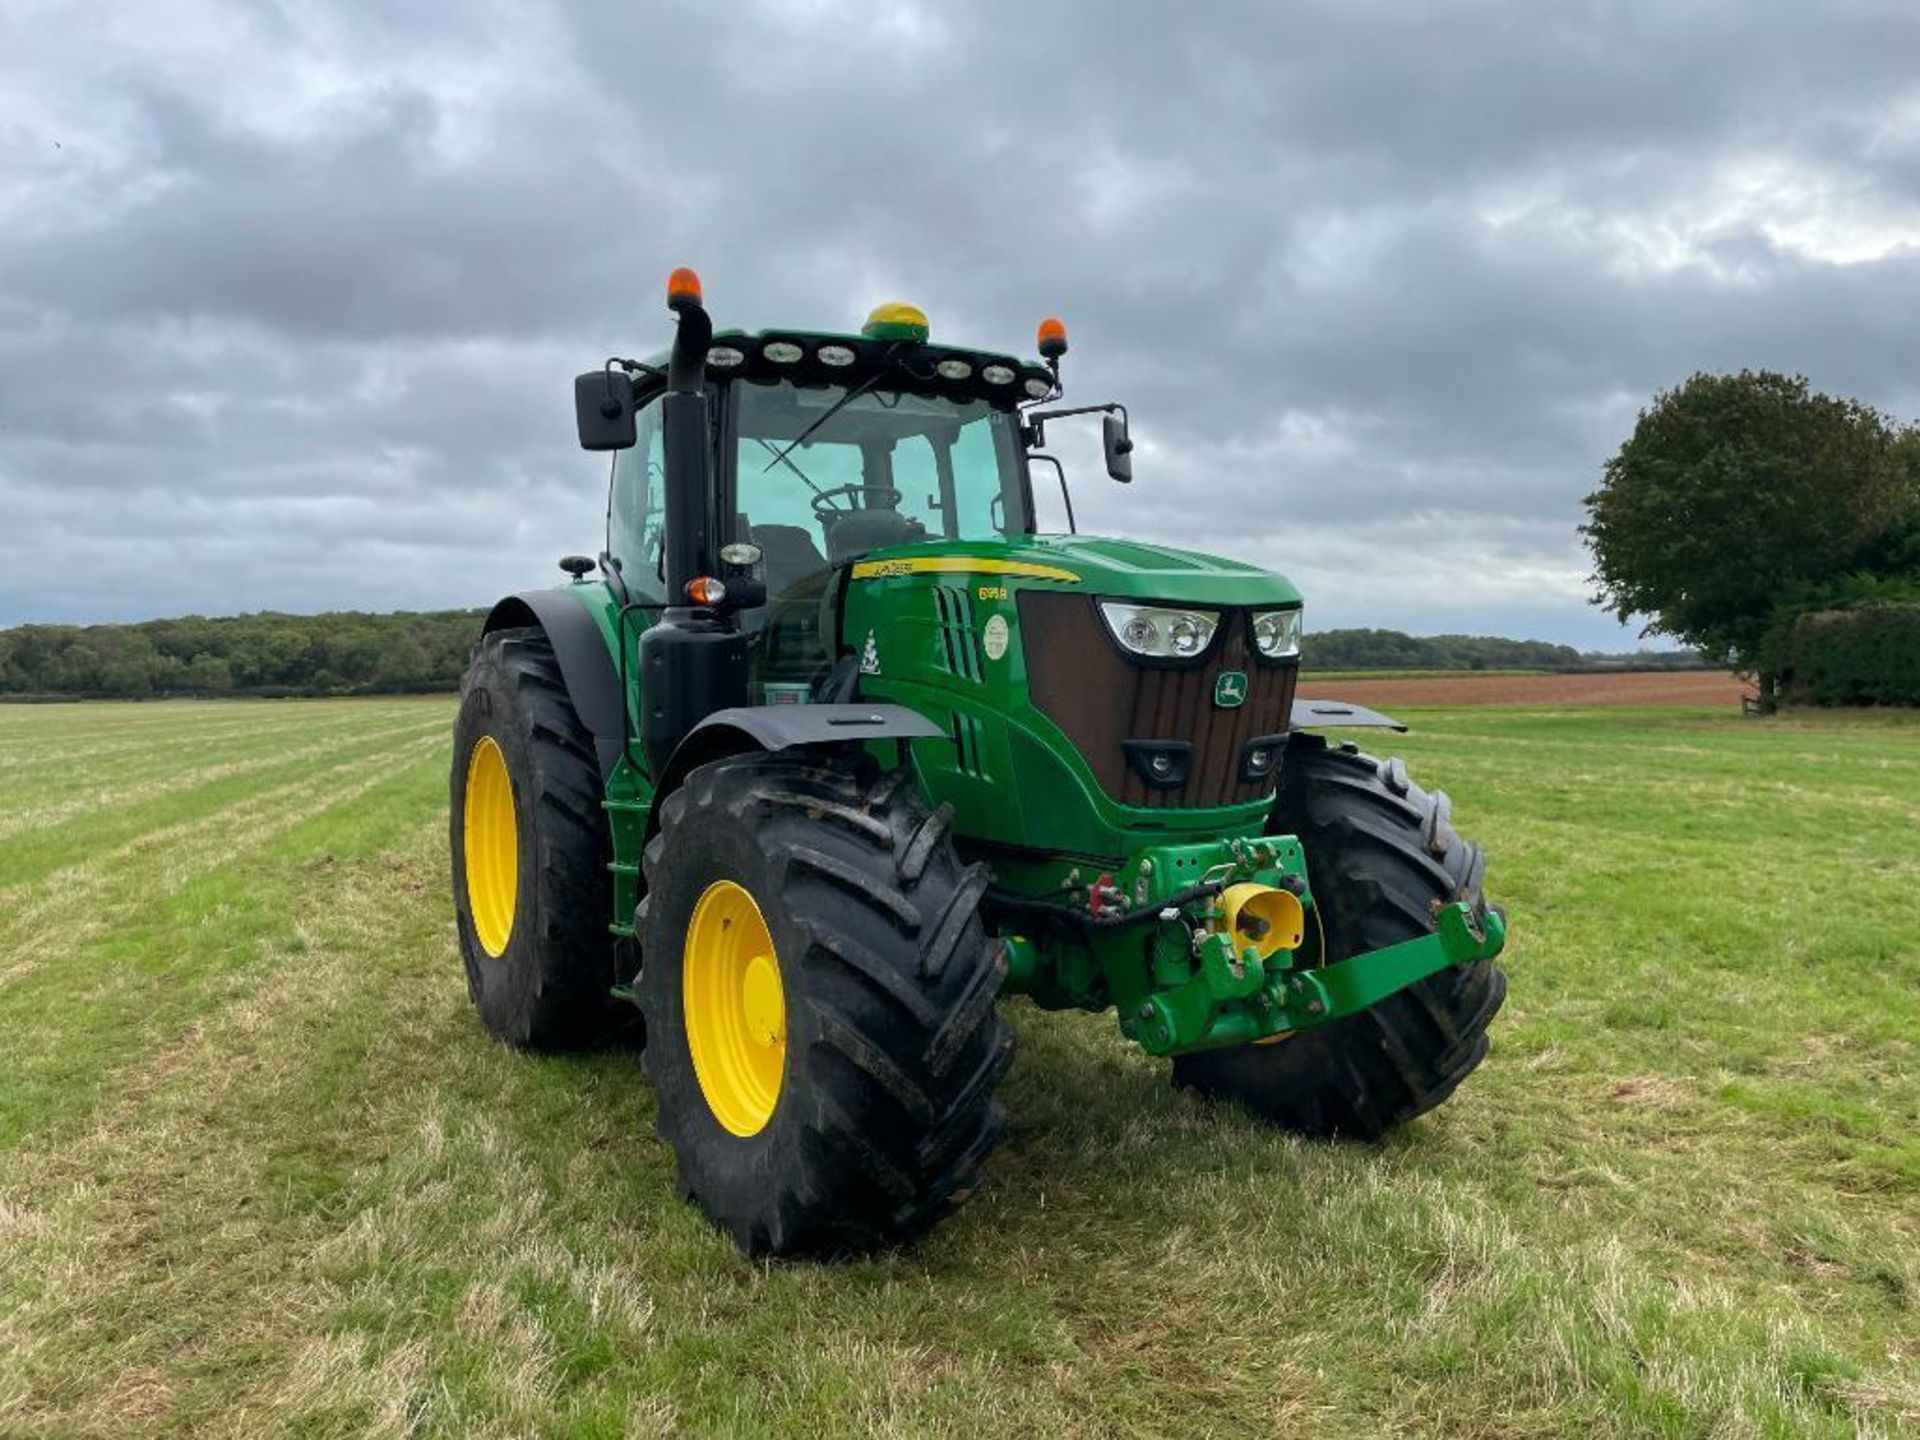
(767, 445)
(831, 411)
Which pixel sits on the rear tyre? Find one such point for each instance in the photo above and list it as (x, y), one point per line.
(819, 1003)
(531, 890)
(1382, 857)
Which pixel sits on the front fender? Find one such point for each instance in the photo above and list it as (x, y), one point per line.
(592, 678)
(781, 727)
(1338, 714)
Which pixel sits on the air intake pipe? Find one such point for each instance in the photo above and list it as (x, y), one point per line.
(693, 662)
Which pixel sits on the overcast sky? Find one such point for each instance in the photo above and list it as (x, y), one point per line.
(291, 296)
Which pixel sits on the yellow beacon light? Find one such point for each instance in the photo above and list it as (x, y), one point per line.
(897, 320)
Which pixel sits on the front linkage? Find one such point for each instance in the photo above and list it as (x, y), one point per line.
(1204, 946)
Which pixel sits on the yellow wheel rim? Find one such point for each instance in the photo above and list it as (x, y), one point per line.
(492, 844)
(735, 1007)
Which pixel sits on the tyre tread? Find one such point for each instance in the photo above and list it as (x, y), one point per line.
(899, 985)
(564, 1003)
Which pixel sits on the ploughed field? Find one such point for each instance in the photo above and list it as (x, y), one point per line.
(261, 1172)
(1532, 688)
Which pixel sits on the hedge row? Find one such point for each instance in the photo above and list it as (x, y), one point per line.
(1865, 656)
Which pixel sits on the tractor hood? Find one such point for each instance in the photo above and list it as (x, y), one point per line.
(1122, 568)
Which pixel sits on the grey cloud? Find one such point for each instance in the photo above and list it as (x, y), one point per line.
(288, 317)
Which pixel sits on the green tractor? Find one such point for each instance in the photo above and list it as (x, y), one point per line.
(828, 752)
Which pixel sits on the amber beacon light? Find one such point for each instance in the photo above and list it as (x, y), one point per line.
(683, 288)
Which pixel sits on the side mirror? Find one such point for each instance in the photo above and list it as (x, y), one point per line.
(603, 409)
(1119, 448)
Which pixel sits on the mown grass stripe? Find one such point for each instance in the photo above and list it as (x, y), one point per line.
(80, 842)
(67, 781)
(80, 1013)
(93, 866)
(65, 737)
(75, 904)
(194, 735)
(97, 792)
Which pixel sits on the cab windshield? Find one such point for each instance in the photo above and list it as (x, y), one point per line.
(890, 467)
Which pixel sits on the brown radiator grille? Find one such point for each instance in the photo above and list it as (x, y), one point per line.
(1099, 698)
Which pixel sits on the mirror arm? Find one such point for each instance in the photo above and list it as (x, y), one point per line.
(1036, 420)
(632, 368)
(1110, 408)
(1034, 431)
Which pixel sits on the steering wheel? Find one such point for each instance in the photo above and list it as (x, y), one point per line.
(876, 497)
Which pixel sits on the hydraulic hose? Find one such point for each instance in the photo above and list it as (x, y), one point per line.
(1059, 915)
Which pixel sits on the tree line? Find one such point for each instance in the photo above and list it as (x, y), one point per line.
(268, 654)
(355, 653)
(1394, 650)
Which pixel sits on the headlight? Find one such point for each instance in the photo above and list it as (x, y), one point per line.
(1160, 632)
(1277, 633)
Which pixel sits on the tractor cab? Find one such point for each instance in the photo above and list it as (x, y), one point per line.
(827, 447)
(821, 449)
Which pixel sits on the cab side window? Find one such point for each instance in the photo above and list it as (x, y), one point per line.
(916, 475)
(636, 508)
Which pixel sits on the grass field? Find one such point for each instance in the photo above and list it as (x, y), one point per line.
(260, 1171)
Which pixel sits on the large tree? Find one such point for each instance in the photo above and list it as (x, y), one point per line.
(1733, 493)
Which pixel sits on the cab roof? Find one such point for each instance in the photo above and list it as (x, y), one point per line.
(771, 355)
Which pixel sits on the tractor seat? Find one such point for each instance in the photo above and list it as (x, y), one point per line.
(858, 531)
(787, 556)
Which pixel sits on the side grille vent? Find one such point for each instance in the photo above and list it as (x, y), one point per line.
(966, 740)
(959, 647)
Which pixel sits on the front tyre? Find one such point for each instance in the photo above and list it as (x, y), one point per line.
(1382, 858)
(530, 850)
(819, 1003)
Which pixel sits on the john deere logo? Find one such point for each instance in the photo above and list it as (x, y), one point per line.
(1229, 689)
